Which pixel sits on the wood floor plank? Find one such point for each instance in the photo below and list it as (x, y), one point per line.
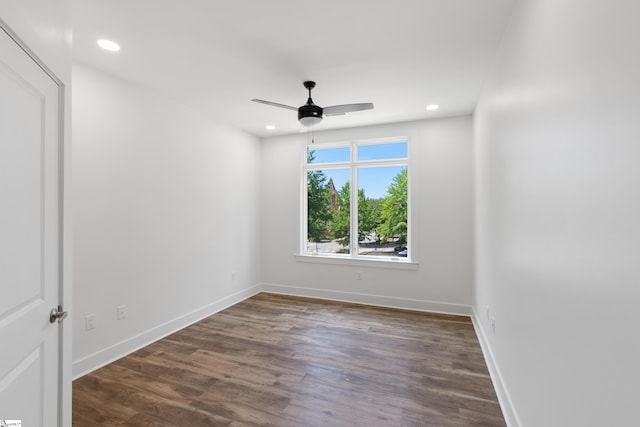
(292, 361)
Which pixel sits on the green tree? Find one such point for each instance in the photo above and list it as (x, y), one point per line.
(318, 203)
(368, 214)
(394, 210)
(340, 218)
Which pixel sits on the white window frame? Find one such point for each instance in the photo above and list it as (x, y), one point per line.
(353, 164)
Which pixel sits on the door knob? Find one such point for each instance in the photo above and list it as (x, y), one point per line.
(57, 313)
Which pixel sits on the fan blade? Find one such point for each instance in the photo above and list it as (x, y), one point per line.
(337, 110)
(275, 104)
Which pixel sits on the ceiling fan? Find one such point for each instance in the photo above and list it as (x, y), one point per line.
(310, 114)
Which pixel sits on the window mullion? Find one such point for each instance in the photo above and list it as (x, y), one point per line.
(353, 250)
(305, 209)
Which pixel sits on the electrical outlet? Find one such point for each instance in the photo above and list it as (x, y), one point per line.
(233, 276)
(493, 324)
(359, 275)
(90, 322)
(122, 312)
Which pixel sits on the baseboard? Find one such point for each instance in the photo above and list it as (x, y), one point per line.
(368, 299)
(110, 354)
(508, 410)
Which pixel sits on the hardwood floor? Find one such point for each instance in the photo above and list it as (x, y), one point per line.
(287, 361)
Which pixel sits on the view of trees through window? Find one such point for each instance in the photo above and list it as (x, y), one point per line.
(380, 227)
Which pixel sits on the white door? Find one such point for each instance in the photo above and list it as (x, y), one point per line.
(29, 238)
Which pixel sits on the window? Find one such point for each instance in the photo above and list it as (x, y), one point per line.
(357, 200)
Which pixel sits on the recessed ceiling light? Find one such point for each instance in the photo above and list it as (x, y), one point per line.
(109, 45)
(270, 127)
(432, 107)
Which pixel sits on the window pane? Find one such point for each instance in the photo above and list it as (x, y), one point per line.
(328, 207)
(328, 155)
(382, 211)
(394, 150)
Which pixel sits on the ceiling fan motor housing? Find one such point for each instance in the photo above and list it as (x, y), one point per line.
(309, 113)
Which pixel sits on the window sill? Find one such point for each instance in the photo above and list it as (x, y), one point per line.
(389, 263)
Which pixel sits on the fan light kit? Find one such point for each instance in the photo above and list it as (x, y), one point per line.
(311, 114)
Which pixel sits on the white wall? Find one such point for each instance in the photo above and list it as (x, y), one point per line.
(440, 173)
(557, 135)
(45, 27)
(166, 210)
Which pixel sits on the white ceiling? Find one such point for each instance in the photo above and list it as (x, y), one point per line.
(217, 55)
